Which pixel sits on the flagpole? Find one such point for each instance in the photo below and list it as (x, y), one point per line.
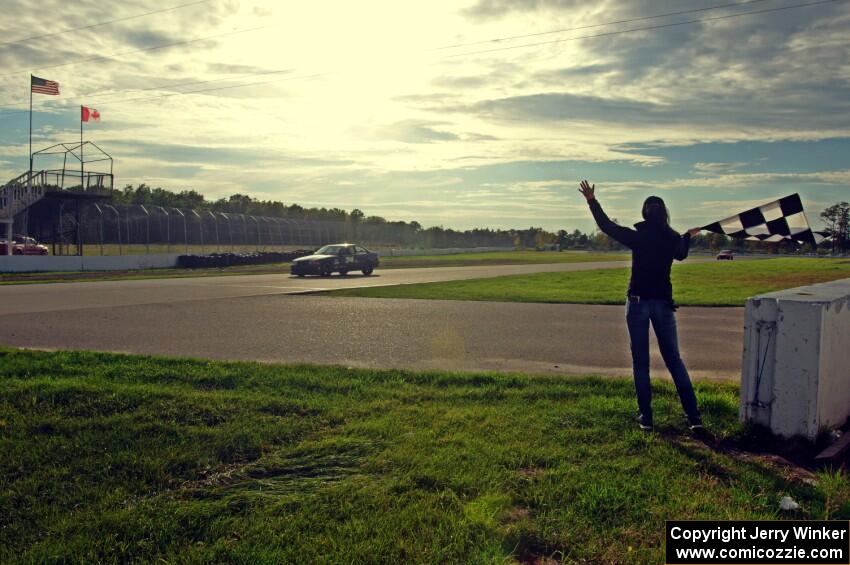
(82, 182)
(30, 125)
(29, 179)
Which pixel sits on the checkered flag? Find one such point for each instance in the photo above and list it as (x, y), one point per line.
(779, 220)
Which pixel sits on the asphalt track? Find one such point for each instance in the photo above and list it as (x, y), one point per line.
(265, 318)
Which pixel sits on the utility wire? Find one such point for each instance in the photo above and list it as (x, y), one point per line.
(461, 44)
(630, 20)
(514, 37)
(143, 49)
(714, 18)
(160, 87)
(192, 83)
(645, 28)
(99, 24)
(217, 88)
(199, 91)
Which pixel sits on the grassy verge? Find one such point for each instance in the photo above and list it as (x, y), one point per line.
(463, 259)
(86, 276)
(111, 458)
(500, 258)
(725, 283)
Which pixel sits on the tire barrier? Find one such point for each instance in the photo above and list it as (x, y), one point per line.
(222, 260)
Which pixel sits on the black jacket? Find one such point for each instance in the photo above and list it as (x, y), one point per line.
(653, 249)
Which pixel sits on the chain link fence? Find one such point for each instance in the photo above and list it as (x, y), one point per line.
(106, 229)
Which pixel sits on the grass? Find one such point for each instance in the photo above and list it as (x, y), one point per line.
(726, 283)
(463, 259)
(487, 258)
(110, 458)
(500, 258)
(93, 276)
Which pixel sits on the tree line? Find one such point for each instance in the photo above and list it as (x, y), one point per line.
(380, 230)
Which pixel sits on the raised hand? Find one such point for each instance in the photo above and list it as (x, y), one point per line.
(587, 190)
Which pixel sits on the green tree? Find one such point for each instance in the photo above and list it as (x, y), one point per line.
(717, 241)
(837, 219)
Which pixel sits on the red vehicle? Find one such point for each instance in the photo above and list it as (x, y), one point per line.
(725, 255)
(22, 245)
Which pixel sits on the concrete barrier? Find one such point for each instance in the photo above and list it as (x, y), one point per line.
(796, 368)
(64, 263)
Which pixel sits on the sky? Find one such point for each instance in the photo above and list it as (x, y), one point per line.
(479, 113)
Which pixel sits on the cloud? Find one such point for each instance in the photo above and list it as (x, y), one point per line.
(562, 106)
(145, 38)
(736, 180)
(395, 120)
(715, 168)
(489, 9)
(452, 82)
(560, 75)
(478, 137)
(236, 69)
(415, 131)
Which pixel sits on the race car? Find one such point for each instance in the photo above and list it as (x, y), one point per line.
(22, 245)
(726, 255)
(337, 258)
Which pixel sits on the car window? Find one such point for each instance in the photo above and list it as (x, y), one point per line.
(361, 249)
(329, 250)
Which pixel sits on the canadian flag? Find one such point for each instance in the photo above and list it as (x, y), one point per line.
(89, 114)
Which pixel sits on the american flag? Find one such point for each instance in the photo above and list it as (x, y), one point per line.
(43, 86)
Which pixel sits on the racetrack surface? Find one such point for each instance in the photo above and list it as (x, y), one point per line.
(256, 317)
(15, 299)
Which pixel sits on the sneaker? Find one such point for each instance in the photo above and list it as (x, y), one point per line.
(696, 427)
(644, 423)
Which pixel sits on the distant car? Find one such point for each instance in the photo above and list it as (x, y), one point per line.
(22, 245)
(338, 258)
(725, 255)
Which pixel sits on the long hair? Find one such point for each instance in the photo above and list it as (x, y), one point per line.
(655, 211)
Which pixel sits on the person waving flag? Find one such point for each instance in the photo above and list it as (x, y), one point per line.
(655, 245)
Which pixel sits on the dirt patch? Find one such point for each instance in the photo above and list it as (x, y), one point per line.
(531, 472)
(538, 560)
(516, 514)
(793, 466)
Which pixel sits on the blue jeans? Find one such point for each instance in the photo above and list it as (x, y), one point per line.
(663, 318)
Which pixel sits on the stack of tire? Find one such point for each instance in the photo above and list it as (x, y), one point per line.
(222, 260)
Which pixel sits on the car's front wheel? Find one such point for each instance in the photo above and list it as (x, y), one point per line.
(367, 271)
